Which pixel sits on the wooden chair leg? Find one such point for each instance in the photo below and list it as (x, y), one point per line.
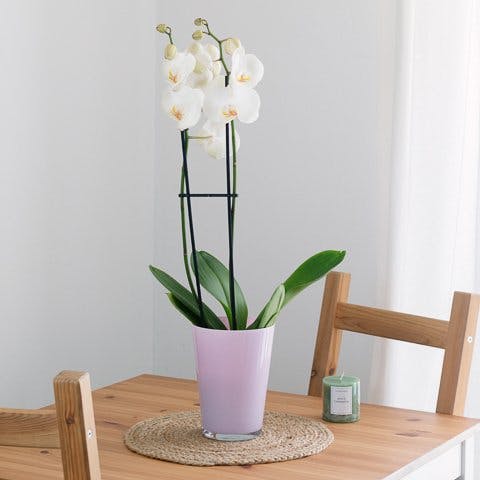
(76, 426)
(327, 347)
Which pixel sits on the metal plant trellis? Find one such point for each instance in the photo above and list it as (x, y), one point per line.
(230, 215)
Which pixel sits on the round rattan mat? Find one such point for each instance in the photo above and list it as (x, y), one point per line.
(178, 438)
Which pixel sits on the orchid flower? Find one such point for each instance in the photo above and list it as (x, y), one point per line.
(206, 65)
(214, 143)
(224, 104)
(178, 69)
(247, 69)
(183, 105)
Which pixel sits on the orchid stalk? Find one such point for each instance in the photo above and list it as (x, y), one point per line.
(231, 273)
(184, 233)
(196, 88)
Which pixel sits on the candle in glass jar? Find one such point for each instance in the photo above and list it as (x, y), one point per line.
(341, 399)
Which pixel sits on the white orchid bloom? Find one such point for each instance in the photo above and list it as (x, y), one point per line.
(206, 67)
(217, 68)
(224, 104)
(214, 145)
(201, 76)
(247, 70)
(183, 105)
(178, 69)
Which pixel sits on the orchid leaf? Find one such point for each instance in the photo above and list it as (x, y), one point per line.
(270, 311)
(215, 278)
(307, 273)
(310, 271)
(185, 310)
(187, 300)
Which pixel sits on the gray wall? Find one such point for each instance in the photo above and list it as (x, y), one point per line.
(76, 193)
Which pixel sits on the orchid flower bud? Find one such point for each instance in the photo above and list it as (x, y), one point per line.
(197, 35)
(170, 51)
(199, 67)
(198, 22)
(231, 44)
(213, 51)
(194, 48)
(161, 28)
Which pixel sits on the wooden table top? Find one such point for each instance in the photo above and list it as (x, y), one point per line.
(385, 443)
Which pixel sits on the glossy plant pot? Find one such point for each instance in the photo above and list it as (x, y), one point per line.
(232, 372)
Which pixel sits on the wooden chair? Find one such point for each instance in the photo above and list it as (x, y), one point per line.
(71, 427)
(456, 337)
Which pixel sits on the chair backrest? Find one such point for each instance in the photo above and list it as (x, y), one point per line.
(456, 337)
(70, 427)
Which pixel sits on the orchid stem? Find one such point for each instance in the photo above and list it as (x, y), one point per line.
(230, 204)
(168, 31)
(209, 33)
(184, 234)
(230, 224)
(198, 137)
(184, 137)
(234, 175)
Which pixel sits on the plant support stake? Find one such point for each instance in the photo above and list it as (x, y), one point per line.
(230, 223)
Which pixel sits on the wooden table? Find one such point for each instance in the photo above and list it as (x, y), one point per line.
(387, 443)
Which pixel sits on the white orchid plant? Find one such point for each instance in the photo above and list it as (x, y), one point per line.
(215, 82)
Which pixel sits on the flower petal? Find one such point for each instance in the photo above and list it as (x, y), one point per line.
(219, 106)
(247, 101)
(215, 144)
(183, 105)
(247, 70)
(177, 70)
(200, 80)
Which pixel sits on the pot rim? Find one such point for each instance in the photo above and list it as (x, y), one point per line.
(228, 331)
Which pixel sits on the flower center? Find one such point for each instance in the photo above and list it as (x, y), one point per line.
(176, 113)
(243, 78)
(229, 112)
(173, 77)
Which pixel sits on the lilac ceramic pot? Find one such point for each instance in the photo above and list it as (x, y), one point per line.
(232, 374)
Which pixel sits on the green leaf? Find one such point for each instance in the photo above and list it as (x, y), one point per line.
(270, 311)
(215, 278)
(310, 271)
(187, 299)
(184, 310)
(307, 273)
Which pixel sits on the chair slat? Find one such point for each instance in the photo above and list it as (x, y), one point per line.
(394, 325)
(29, 428)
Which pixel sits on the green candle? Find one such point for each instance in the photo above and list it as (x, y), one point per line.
(341, 399)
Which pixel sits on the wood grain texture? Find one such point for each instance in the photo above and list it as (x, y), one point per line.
(329, 338)
(458, 353)
(29, 428)
(384, 442)
(76, 426)
(394, 325)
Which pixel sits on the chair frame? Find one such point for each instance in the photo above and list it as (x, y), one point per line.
(456, 337)
(71, 427)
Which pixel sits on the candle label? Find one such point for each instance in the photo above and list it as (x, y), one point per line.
(341, 400)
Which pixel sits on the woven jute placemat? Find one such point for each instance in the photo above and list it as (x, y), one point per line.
(178, 438)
